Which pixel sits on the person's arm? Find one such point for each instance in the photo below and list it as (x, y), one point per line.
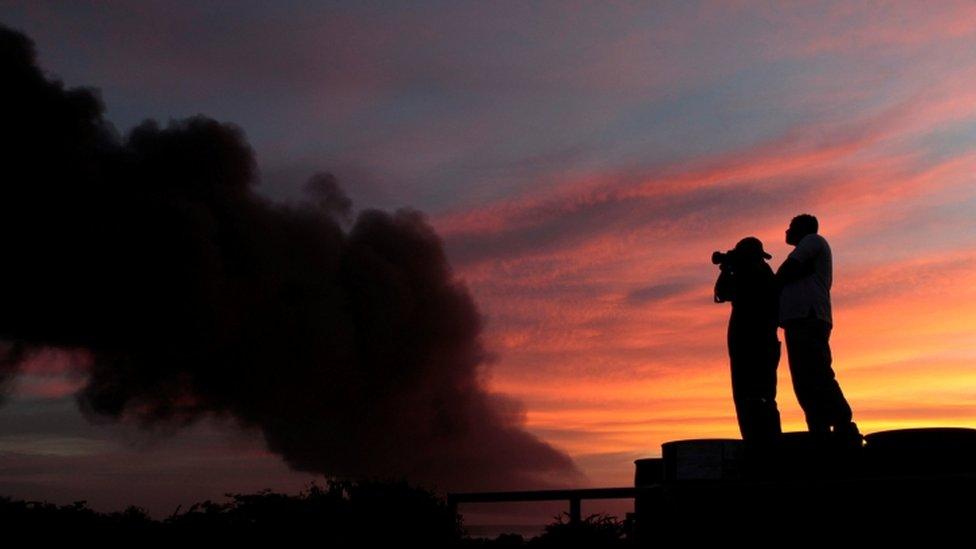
(725, 286)
(792, 269)
(800, 262)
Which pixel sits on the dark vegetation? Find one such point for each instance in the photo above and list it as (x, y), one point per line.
(343, 512)
(340, 514)
(596, 531)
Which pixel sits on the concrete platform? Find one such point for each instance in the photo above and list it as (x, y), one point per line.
(917, 484)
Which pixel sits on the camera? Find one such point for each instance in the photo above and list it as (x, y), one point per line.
(724, 258)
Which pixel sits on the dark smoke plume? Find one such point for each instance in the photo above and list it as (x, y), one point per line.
(354, 352)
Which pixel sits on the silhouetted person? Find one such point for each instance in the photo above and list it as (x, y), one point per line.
(754, 350)
(805, 315)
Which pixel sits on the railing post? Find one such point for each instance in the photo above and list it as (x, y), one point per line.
(575, 514)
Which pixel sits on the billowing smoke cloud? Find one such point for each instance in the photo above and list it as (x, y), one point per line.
(353, 350)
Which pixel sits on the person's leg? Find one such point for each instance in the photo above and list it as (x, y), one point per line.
(745, 383)
(753, 363)
(754, 359)
(805, 352)
(740, 391)
(768, 411)
(836, 407)
(817, 390)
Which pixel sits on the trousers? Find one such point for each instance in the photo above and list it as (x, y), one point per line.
(816, 387)
(754, 356)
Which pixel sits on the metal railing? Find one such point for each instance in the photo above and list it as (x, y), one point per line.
(574, 497)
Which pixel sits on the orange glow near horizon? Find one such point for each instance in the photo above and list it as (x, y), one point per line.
(604, 369)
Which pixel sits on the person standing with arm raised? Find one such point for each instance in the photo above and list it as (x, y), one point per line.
(805, 315)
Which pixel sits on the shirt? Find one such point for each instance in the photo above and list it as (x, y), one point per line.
(811, 293)
(755, 305)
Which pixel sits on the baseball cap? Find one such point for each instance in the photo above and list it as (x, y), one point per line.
(751, 246)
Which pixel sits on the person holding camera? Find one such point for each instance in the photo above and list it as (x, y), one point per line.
(747, 281)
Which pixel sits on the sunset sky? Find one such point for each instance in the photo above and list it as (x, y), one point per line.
(581, 161)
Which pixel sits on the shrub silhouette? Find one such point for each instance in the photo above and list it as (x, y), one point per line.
(344, 513)
(350, 512)
(39, 517)
(594, 531)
